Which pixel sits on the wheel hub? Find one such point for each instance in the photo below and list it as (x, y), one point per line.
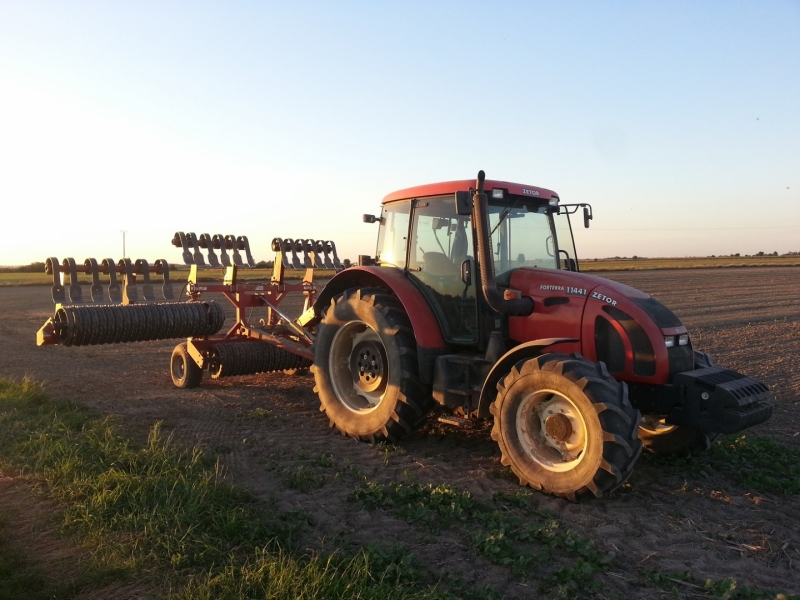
(551, 430)
(558, 427)
(367, 365)
(359, 367)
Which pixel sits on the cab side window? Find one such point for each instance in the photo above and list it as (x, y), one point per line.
(440, 242)
(393, 235)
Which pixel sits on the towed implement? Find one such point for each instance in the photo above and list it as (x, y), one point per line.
(474, 301)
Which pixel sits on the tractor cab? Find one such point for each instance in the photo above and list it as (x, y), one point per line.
(425, 233)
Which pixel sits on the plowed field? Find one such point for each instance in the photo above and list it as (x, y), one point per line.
(267, 429)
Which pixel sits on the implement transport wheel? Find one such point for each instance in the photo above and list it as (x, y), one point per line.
(185, 372)
(565, 426)
(660, 438)
(366, 369)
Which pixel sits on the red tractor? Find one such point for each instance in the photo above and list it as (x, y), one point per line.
(473, 301)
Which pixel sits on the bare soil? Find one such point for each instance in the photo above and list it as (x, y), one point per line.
(261, 426)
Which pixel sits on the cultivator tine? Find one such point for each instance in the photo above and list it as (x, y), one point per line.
(230, 244)
(147, 287)
(281, 247)
(308, 261)
(97, 287)
(51, 267)
(336, 263)
(295, 246)
(207, 242)
(244, 244)
(114, 290)
(219, 243)
(162, 268)
(130, 292)
(326, 253)
(180, 241)
(191, 238)
(312, 254)
(316, 247)
(75, 294)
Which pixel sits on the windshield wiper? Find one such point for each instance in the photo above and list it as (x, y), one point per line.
(503, 216)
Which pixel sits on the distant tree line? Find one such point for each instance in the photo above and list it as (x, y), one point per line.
(34, 267)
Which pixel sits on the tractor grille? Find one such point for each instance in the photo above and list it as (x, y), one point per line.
(681, 358)
(644, 358)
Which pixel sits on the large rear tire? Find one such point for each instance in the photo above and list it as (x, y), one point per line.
(565, 426)
(663, 439)
(366, 369)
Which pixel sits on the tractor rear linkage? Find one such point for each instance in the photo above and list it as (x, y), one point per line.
(275, 343)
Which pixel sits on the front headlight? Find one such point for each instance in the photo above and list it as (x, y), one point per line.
(669, 341)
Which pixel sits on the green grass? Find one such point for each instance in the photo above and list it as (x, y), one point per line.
(510, 530)
(18, 577)
(752, 462)
(165, 512)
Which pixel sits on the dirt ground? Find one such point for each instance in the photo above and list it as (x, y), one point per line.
(748, 319)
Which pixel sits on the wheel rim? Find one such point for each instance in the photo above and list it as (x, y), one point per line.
(178, 368)
(655, 425)
(551, 430)
(358, 367)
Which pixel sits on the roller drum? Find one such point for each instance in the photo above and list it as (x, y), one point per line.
(86, 325)
(247, 358)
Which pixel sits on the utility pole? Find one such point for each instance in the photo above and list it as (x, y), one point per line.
(124, 231)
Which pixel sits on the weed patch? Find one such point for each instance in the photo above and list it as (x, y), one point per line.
(166, 511)
(755, 462)
(509, 530)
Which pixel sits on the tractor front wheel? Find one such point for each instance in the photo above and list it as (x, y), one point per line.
(565, 426)
(365, 367)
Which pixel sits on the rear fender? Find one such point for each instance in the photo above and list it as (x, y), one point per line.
(503, 366)
(430, 343)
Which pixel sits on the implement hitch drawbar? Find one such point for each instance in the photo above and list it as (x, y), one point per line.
(119, 313)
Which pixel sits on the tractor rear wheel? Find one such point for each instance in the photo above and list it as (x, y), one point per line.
(660, 438)
(565, 426)
(185, 372)
(365, 367)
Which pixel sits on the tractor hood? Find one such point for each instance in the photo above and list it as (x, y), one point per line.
(632, 332)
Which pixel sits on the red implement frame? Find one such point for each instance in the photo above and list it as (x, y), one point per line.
(275, 328)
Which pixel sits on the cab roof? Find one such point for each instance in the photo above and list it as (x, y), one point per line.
(451, 187)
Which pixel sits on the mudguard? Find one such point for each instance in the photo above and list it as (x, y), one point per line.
(503, 366)
(430, 343)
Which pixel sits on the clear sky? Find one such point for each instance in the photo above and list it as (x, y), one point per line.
(678, 121)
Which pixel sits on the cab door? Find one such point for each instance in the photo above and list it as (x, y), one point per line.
(441, 262)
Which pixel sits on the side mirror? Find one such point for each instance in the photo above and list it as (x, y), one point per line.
(587, 216)
(463, 203)
(466, 272)
(370, 219)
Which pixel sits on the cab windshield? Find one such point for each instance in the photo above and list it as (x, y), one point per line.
(522, 235)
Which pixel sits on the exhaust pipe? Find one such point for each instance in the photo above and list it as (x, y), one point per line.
(518, 307)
